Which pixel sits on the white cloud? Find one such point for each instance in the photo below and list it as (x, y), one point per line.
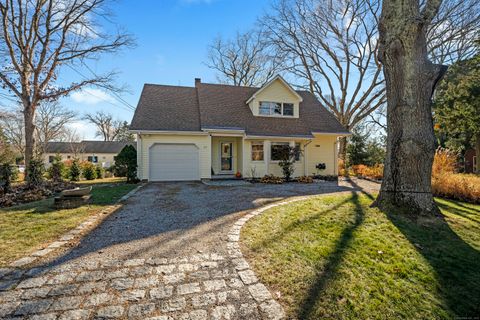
(82, 130)
(91, 96)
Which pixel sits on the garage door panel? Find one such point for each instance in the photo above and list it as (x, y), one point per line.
(174, 162)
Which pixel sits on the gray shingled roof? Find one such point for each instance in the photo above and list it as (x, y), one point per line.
(87, 146)
(223, 106)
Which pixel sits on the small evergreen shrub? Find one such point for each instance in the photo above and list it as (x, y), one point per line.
(57, 169)
(100, 171)
(8, 173)
(75, 170)
(126, 163)
(35, 172)
(89, 171)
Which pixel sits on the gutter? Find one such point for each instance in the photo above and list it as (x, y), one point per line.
(166, 132)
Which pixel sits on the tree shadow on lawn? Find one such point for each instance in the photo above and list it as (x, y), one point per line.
(460, 211)
(456, 263)
(333, 262)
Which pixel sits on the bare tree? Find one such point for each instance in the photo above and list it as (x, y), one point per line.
(242, 61)
(107, 127)
(50, 123)
(410, 81)
(73, 138)
(39, 38)
(13, 129)
(453, 31)
(331, 47)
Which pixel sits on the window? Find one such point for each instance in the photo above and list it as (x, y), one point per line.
(50, 159)
(278, 150)
(93, 159)
(288, 109)
(268, 108)
(299, 149)
(257, 151)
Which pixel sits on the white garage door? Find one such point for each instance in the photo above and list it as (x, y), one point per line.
(174, 162)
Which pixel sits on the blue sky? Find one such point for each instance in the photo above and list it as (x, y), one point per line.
(172, 38)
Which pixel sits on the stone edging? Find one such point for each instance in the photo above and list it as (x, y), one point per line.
(256, 288)
(72, 234)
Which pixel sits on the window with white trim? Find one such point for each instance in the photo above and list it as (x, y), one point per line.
(269, 108)
(257, 151)
(278, 149)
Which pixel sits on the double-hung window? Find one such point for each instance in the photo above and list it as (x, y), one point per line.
(268, 108)
(257, 151)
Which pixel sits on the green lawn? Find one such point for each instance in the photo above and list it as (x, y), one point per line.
(27, 227)
(335, 257)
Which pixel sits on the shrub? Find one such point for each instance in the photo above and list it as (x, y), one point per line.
(35, 172)
(374, 172)
(8, 173)
(75, 170)
(57, 169)
(445, 161)
(271, 179)
(287, 157)
(100, 171)
(126, 163)
(305, 179)
(89, 171)
(463, 187)
(342, 171)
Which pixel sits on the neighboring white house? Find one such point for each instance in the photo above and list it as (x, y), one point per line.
(202, 132)
(97, 152)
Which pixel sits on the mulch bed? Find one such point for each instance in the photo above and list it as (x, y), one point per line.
(22, 193)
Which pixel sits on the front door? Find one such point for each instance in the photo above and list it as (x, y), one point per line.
(226, 154)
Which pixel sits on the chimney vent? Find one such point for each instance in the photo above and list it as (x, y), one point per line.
(197, 81)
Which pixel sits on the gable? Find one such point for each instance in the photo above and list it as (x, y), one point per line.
(277, 91)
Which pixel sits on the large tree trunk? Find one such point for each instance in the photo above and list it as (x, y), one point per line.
(477, 152)
(410, 81)
(29, 117)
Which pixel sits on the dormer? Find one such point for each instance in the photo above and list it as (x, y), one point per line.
(275, 99)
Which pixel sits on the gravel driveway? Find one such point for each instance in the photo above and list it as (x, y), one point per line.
(181, 218)
(163, 256)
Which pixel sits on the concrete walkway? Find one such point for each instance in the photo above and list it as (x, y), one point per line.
(164, 255)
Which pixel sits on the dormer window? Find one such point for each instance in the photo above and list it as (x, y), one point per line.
(288, 109)
(268, 108)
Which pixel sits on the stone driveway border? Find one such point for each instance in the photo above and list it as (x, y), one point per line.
(258, 290)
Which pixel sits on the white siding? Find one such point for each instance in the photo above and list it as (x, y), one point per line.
(322, 149)
(203, 142)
